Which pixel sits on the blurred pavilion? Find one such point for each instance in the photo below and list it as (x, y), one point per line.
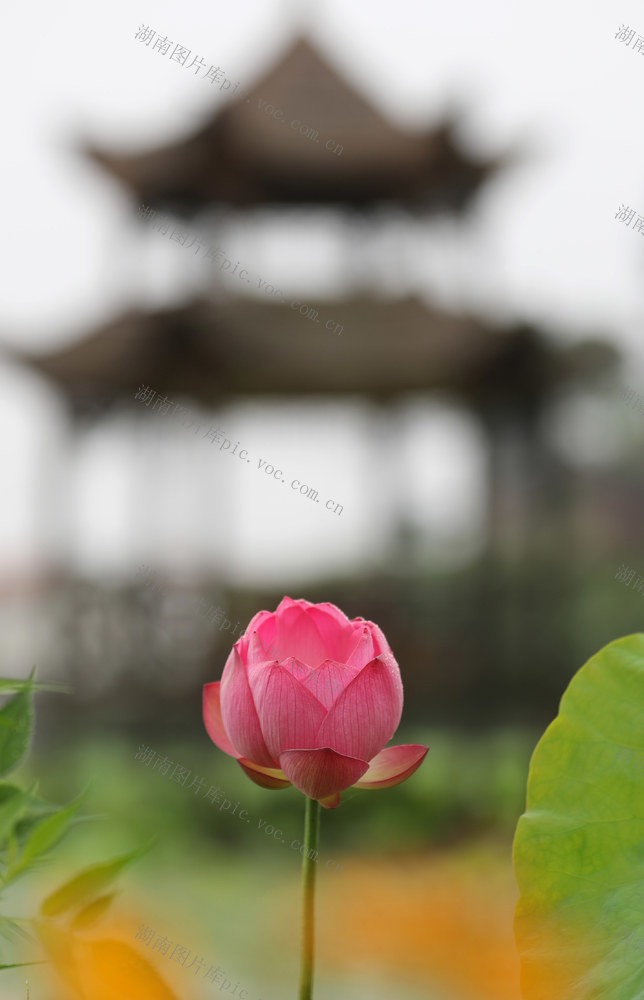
(219, 347)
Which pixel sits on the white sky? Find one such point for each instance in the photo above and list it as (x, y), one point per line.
(549, 79)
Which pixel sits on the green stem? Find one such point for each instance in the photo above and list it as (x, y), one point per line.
(310, 860)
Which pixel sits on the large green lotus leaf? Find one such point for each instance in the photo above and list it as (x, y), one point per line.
(579, 847)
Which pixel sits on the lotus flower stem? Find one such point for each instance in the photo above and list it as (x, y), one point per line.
(311, 840)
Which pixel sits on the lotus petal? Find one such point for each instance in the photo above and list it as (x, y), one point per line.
(239, 714)
(365, 715)
(213, 720)
(393, 765)
(289, 715)
(321, 773)
(267, 777)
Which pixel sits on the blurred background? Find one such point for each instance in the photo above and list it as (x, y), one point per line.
(438, 334)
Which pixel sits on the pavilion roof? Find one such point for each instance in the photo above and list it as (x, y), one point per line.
(214, 353)
(243, 157)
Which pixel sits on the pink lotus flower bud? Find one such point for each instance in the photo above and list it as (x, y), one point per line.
(319, 715)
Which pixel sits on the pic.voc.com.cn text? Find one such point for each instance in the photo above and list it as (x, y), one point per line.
(164, 225)
(145, 395)
(180, 55)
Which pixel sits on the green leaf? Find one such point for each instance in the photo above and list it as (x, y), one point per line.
(12, 847)
(15, 684)
(8, 790)
(47, 833)
(16, 722)
(34, 810)
(18, 965)
(92, 912)
(11, 809)
(16, 928)
(89, 883)
(37, 808)
(8, 684)
(579, 847)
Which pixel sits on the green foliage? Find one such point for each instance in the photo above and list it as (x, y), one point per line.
(579, 847)
(8, 684)
(17, 965)
(43, 834)
(83, 888)
(31, 827)
(16, 724)
(14, 804)
(92, 912)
